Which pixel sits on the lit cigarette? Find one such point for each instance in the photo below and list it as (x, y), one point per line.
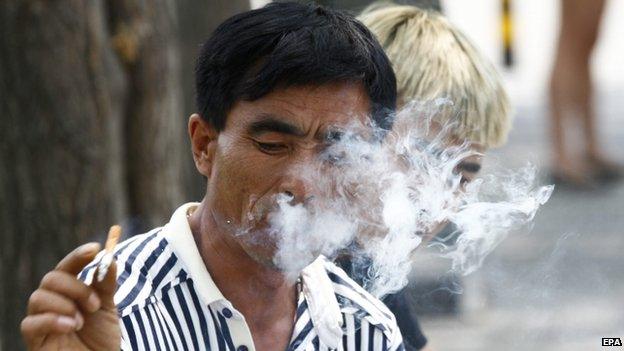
(113, 237)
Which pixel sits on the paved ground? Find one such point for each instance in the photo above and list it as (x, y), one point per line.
(559, 287)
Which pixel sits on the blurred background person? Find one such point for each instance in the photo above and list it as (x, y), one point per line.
(432, 59)
(577, 163)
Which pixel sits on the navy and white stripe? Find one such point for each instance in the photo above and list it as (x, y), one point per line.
(160, 307)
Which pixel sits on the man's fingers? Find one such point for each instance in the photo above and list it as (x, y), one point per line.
(42, 301)
(69, 286)
(75, 261)
(36, 327)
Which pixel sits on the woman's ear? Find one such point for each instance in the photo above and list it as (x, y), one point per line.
(203, 137)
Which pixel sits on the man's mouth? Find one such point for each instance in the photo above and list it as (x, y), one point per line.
(259, 210)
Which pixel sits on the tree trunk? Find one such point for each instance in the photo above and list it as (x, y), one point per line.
(144, 36)
(94, 100)
(62, 108)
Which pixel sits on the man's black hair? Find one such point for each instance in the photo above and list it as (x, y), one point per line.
(288, 44)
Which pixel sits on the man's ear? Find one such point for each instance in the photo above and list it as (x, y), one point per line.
(203, 137)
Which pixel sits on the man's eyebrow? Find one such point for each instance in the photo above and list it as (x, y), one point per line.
(470, 167)
(270, 123)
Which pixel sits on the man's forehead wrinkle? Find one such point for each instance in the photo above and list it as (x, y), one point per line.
(314, 96)
(315, 107)
(266, 122)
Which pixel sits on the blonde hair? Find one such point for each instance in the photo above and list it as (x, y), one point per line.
(433, 59)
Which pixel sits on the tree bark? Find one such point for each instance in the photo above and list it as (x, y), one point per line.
(62, 108)
(144, 36)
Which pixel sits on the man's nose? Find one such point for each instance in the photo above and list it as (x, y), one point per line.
(298, 188)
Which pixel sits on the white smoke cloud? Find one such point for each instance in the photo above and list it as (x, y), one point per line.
(378, 199)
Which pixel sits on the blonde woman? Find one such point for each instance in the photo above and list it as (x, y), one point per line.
(432, 59)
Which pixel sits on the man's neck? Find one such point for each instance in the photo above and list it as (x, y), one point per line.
(262, 294)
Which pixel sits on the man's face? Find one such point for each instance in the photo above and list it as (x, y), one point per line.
(263, 150)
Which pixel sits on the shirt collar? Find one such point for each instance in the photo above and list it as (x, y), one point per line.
(318, 290)
(323, 306)
(178, 234)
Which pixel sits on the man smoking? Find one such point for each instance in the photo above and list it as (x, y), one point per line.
(271, 84)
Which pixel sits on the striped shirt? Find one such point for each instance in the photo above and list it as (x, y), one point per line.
(166, 300)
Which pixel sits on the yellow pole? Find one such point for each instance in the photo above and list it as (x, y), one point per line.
(507, 33)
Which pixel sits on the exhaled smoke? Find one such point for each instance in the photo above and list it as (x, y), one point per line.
(378, 199)
(498, 205)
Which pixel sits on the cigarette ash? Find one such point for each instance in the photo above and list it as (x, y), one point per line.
(379, 197)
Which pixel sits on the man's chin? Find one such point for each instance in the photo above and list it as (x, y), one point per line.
(267, 262)
(290, 270)
(263, 254)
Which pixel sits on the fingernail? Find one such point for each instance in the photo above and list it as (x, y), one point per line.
(79, 320)
(88, 248)
(66, 322)
(94, 302)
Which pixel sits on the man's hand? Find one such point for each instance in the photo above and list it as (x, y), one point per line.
(66, 314)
